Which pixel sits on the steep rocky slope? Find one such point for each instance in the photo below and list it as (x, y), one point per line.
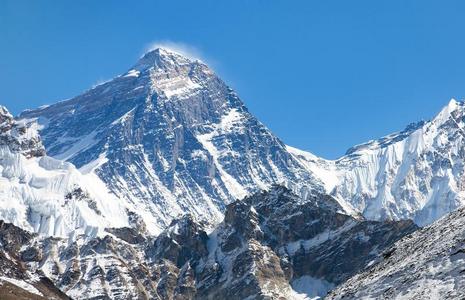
(170, 137)
(16, 281)
(272, 244)
(277, 244)
(167, 136)
(428, 264)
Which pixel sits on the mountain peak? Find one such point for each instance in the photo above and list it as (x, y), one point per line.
(5, 113)
(162, 58)
(6, 119)
(19, 136)
(171, 131)
(448, 111)
(162, 52)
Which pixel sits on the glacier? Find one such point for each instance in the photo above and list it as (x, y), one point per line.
(45, 195)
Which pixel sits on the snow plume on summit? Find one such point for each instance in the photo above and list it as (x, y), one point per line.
(168, 138)
(191, 52)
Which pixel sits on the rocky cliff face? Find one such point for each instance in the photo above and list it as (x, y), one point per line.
(277, 244)
(272, 245)
(170, 137)
(428, 264)
(19, 137)
(16, 281)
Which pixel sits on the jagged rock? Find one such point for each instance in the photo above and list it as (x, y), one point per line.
(170, 137)
(266, 243)
(12, 238)
(127, 234)
(427, 264)
(16, 280)
(19, 137)
(185, 240)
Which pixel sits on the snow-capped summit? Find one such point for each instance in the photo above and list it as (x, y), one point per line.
(447, 112)
(171, 73)
(163, 58)
(169, 137)
(5, 113)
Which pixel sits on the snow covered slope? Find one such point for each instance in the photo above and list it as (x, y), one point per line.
(169, 137)
(44, 195)
(414, 174)
(428, 264)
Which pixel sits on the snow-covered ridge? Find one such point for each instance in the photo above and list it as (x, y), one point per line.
(169, 137)
(244, 257)
(44, 195)
(19, 136)
(417, 173)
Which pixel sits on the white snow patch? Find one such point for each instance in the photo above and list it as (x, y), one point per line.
(228, 120)
(310, 288)
(78, 144)
(132, 73)
(22, 284)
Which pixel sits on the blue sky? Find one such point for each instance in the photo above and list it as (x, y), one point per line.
(323, 75)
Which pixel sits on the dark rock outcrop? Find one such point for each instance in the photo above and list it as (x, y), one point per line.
(266, 244)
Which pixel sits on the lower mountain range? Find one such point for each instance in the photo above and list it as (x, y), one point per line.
(160, 184)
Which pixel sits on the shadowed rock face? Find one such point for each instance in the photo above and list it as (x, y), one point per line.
(265, 244)
(16, 280)
(269, 240)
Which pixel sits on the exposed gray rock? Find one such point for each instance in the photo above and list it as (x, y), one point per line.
(266, 244)
(19, 136)
(16, 280)
(427, 264)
